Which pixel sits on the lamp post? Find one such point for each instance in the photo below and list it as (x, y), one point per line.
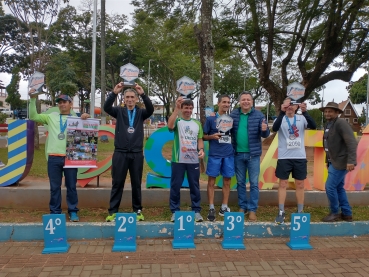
(93, 69)
(322, 107)
(148, 81)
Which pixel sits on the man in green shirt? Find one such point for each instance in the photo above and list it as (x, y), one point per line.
(56, 151)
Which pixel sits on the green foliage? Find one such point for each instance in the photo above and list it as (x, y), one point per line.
(3, 118)
(317, 115)
(14, 97)
(272, 111)
(358, 90)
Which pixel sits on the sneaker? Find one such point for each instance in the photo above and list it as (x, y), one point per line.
(280, 217)
(226, 210)
(173, 217)
(211, 215)
(140, 216)
(1, 164)
(198, 217)
(73, 217)
(110, 218)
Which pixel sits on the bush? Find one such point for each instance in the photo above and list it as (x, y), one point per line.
(3, 118)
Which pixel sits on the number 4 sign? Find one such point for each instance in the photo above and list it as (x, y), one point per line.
(300, 232)
(55, 234)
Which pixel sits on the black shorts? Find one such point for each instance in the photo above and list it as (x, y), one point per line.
(298, 167)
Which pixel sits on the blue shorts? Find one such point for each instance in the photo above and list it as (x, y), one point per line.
(224, 166)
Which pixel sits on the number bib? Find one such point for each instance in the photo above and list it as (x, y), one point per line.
(293, 143)
(225, 139)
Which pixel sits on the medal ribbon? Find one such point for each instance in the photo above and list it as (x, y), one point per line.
(289, 124)
(131, 117)
(62, 126)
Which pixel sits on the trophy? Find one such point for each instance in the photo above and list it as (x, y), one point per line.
(185, 86)
(37, 81)
(224, 123)
(129, 73)
(295, 91)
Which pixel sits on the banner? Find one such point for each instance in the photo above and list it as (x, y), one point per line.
(82, 138)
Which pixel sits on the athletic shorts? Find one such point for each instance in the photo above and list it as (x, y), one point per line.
(298, 168)
(222, 166)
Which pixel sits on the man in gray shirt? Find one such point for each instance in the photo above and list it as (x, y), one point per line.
(291, 152)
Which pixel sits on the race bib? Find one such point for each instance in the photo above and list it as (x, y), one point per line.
(225, 139)
(293, 143)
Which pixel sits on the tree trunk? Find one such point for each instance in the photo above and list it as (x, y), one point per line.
(206, 50)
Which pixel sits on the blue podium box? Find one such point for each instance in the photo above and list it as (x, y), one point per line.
(233, 231)
(184, 230)
(125, 232)
(300, 232)
(55, 234)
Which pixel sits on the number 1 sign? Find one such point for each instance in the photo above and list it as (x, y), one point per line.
(55, 234)
(300, 232)
(125, 232)
(184, 230)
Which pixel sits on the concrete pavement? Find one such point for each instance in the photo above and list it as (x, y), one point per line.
(333, 256)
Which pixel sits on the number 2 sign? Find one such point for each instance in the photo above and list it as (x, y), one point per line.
(125, 232)
(300, 232)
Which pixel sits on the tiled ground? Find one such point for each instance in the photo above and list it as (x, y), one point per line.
(333, 256)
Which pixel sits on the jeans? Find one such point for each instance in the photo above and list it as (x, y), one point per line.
(245, 163)
(335, 191)
(176, 180)
(55, 171)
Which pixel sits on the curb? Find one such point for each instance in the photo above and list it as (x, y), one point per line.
(147, 230)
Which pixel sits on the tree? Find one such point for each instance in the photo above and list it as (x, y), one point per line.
(14, 97)
(60, 76)
(317, 115)
(313, 42)
(358, 90)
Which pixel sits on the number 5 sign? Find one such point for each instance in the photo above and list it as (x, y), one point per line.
(55, 234)
(125, 232)
(300, 232)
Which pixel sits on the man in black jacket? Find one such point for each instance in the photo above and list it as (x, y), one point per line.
(128, 143)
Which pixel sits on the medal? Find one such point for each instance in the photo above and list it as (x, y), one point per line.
(61, 136)
(131, 119)
(292, 137)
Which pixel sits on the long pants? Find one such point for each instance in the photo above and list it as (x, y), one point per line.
(55, 171)
(121, 164)
(176, 180)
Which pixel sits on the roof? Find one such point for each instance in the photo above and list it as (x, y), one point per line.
(344, 104)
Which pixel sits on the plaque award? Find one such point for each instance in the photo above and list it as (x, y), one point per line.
(129, 73)
(224, 123)
(295, 91)
(185, 86)
(36, 82)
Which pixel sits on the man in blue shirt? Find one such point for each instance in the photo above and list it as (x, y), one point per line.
(221, 157)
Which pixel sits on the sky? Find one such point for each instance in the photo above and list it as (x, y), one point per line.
(335, 90)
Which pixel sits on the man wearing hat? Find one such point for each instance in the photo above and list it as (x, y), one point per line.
(340, 147)
(56, 151)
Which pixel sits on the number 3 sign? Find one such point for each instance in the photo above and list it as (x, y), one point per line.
(300, 232)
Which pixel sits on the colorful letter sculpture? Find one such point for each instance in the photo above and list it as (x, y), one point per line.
(300, 232)
(233, 231)
(20, 152)
(55, 234)
(184, 230)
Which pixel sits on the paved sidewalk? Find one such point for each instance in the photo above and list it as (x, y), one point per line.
(333, 256)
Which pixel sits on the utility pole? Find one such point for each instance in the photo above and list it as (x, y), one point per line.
(103, 80)
(148, 80)
(367, 100)
(93, 70)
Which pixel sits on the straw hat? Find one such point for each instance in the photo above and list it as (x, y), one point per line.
(331, 105)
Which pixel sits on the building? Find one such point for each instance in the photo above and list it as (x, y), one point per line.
(3, 96)
(350, 114)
